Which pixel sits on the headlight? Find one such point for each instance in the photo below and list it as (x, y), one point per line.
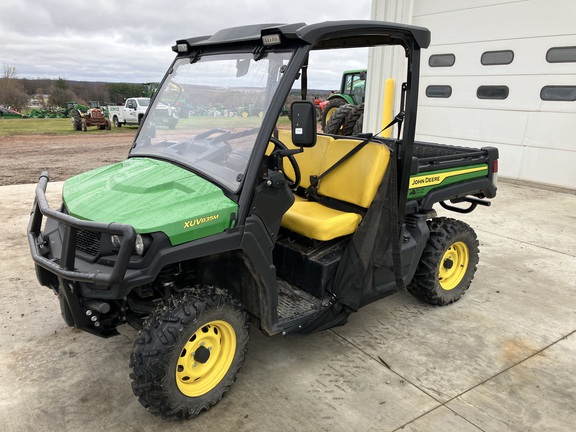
(139, 245)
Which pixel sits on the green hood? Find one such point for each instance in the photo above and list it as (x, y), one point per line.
(150, 195)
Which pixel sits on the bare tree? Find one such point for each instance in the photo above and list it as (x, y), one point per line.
(12, 94)
(9, 71)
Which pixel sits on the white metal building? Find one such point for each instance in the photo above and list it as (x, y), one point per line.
(500, 73)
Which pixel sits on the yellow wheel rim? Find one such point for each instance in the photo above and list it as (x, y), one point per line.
(205, 358)
(245, 114)
(453, 266)
(329, 113)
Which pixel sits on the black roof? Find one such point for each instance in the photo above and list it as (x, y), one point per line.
(329, 34)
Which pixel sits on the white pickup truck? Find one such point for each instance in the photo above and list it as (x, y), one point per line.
(131, 112)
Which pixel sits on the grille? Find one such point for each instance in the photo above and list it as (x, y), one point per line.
(88, 242)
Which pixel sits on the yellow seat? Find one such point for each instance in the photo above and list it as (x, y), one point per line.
(319, 222)
(309, 161)
(356, 181)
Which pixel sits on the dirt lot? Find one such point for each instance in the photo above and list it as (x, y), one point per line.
(24, 157)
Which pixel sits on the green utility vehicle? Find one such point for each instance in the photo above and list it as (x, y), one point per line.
(223, 221)
(352, 94)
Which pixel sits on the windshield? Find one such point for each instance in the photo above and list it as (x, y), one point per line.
(207, 114)
(143, 101)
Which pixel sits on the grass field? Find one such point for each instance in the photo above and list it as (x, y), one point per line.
(60, 126)
(9, 127)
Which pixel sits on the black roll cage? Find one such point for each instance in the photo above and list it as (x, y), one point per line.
(302, 39)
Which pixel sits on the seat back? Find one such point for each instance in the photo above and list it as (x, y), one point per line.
(355, 181)
(309, 161)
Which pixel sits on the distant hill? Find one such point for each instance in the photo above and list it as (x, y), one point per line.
(56, 92)
(84, 91)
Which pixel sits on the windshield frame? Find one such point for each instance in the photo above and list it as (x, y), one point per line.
(270, 91)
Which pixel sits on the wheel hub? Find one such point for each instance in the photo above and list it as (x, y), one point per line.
(202, 355)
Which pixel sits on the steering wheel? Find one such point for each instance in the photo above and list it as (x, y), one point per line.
(203, 139)
(223, 135)
(280, 146)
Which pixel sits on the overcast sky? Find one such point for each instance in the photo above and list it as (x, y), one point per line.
(130, 40)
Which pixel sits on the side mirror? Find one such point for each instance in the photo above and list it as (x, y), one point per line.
(303, 115)
(242, 66)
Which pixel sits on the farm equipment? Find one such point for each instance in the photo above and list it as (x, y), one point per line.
(9, 113)
(319, 104)
(222, 221)
(352, 94)
(94, 116)
(249, 111)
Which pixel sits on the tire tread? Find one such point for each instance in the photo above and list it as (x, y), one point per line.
(151, 375)
(443, 233)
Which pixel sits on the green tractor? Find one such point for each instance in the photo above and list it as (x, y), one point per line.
(250, 110)
(352, 94)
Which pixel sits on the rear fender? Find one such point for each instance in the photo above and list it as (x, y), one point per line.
(346, 97)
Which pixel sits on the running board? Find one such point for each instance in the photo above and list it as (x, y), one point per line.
(294, 302)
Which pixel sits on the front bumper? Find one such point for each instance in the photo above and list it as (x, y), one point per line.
(56, 264)
(63, 266)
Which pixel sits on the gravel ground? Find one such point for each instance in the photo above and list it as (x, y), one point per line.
(24, 157)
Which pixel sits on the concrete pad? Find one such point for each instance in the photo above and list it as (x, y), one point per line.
(441, 419)
(518, 304)
(64, 377)
(485, 358)
(538, 394)
(541, 217)
(319, 383)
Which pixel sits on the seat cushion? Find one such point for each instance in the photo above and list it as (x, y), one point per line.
(354, 181)
(319, 222)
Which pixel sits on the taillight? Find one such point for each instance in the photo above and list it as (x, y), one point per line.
(495, 172)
